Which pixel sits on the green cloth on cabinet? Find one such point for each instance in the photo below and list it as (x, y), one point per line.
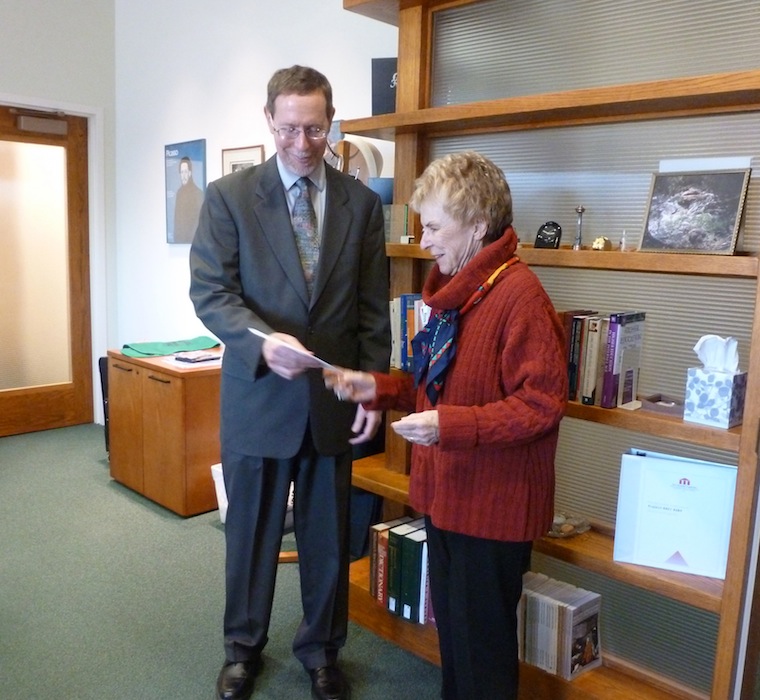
(201, 342)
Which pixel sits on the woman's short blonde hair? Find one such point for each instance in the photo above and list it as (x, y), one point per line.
(470, 188)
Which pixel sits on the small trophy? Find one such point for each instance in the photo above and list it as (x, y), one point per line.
(578, 244)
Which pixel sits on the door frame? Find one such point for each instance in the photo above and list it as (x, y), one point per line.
(101, 302)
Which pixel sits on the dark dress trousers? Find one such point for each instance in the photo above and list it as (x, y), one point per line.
(245, 272)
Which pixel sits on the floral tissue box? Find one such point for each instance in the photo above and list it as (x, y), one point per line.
(714, 398)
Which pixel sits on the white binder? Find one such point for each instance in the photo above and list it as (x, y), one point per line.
(674, 513)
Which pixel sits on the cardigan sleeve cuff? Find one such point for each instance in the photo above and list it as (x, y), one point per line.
(393, 393)
(457, 428)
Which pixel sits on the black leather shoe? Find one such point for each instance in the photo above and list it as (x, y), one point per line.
(328, 683)
(235, 681)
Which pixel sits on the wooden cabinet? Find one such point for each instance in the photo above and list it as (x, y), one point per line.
(164, 430)
(414, 126)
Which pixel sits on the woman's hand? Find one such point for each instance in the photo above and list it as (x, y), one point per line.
(419, 428)
(351, 385)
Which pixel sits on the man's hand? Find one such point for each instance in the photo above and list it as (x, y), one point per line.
(365, 424)
(282, 360)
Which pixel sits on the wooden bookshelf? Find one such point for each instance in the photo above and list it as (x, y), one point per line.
(412, 127)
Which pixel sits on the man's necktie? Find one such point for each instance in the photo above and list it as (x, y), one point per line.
(305, 228)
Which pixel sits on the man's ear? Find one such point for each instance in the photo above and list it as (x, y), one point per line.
(481, 228)
(268, 116)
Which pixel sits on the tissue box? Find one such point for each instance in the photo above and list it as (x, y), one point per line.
(714, 398)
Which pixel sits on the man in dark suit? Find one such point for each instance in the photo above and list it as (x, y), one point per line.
(278, 421)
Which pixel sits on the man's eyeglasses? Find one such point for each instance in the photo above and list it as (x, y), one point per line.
(291, 133)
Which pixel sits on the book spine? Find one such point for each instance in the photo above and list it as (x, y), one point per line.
(628, 359)
(407, 329)
(589, 373)
(572, 370)
(381, 574)
(395, 312)
(411, 572)
(373, 535)
(394, 571)
(424, 592)
(609, 387)
(603, 333)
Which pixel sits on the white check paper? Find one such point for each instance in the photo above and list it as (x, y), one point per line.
(319, 361)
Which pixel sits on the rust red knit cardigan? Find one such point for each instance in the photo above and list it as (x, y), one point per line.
(492, 473)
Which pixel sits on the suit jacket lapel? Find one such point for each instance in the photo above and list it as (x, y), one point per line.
(337, 221)
(274, 218)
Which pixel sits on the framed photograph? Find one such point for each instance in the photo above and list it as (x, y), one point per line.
(695, 212)
(185, 165)
(234, 159)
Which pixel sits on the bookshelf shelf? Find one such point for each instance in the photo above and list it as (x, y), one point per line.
(422, 640)
(668, 263)
(657, 424)
(372, 474)
(591, 550)
(710, 94)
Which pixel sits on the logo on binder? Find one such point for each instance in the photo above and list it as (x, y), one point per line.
(684, 482)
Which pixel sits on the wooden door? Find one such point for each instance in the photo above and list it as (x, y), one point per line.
(45, 348)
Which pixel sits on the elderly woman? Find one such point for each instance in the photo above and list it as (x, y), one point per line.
(486, 400)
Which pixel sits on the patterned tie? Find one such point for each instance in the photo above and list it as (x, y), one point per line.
(305, 228)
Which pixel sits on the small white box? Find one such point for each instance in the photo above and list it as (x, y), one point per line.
(714, 398)
(221, 491)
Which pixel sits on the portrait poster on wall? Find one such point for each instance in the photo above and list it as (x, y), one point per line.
(185, 165)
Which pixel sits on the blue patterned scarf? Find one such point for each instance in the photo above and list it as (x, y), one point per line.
(434, 347)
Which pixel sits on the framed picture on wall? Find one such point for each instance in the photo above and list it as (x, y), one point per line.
(185, 165)
(234, 159)
(695, 212)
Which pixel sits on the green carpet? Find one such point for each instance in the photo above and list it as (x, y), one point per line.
(104, 594)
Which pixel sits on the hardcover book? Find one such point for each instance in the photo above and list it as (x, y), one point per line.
(613, 357)
(577, 348)
(407, 329)
(393, 562)
(588, 380)
(567, 325)
(412, 546)
(394, 309)
(603, 341)
(628, 359)
(374, 535)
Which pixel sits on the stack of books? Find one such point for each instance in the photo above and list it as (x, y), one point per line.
(558, 626)
(603, 356)
(399, 568)
(409, 314)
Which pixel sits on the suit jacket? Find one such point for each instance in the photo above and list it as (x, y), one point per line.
(245, 272)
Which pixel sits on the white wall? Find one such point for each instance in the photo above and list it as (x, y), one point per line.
(189, 70)
(60, 55)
